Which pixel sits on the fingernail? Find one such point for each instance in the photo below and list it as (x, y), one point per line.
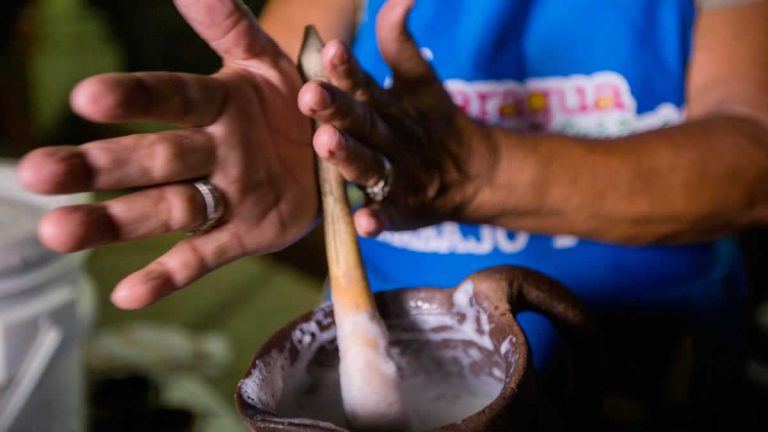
(339, 55)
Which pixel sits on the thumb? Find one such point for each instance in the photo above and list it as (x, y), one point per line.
(229, 27)
(398, 47)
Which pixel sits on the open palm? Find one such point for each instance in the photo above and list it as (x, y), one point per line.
(243, 131)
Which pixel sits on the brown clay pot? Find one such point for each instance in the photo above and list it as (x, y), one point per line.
(498, 294)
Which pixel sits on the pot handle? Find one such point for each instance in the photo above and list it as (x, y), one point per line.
(527, 290)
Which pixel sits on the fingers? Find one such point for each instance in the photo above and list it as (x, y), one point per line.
(139, 215)
(369, 221)
(53, 170)
(164, 97)
(345, 73)
(149, 159)
(131, 161)
(355, 162)
(186, 262)
(359, 165)
(328, 104)
(229, 28)
(397, 46)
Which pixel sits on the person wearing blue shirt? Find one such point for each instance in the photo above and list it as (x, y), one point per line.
(611, 145)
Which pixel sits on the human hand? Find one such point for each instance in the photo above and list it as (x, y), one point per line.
(439, 157)
(243, 132)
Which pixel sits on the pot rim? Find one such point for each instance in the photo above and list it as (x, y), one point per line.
(393, 305)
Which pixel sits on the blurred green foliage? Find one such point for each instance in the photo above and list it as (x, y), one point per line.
(68, 42)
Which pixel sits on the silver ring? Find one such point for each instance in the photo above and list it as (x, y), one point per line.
(214, 206)
(380, 190)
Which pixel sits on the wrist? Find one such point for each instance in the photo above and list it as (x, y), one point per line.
(504, 176)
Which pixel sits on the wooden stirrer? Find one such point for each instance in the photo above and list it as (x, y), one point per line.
(369, 382)
(349, 284)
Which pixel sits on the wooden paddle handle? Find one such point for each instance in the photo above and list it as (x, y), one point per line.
(349, 284)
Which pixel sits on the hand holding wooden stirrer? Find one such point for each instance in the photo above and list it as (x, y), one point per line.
(369, 383)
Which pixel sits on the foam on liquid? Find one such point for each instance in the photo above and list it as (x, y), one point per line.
(370, 387)
(442, 360)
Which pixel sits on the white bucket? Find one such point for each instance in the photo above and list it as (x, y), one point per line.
(46, 306)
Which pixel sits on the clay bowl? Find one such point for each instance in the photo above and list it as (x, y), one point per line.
(292, 384)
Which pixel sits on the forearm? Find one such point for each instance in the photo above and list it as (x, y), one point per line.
(692, 182)
(284, 20)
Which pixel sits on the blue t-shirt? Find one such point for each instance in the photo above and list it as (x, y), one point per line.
(593, 68)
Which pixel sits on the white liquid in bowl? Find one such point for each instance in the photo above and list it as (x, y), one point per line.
(447, 366)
